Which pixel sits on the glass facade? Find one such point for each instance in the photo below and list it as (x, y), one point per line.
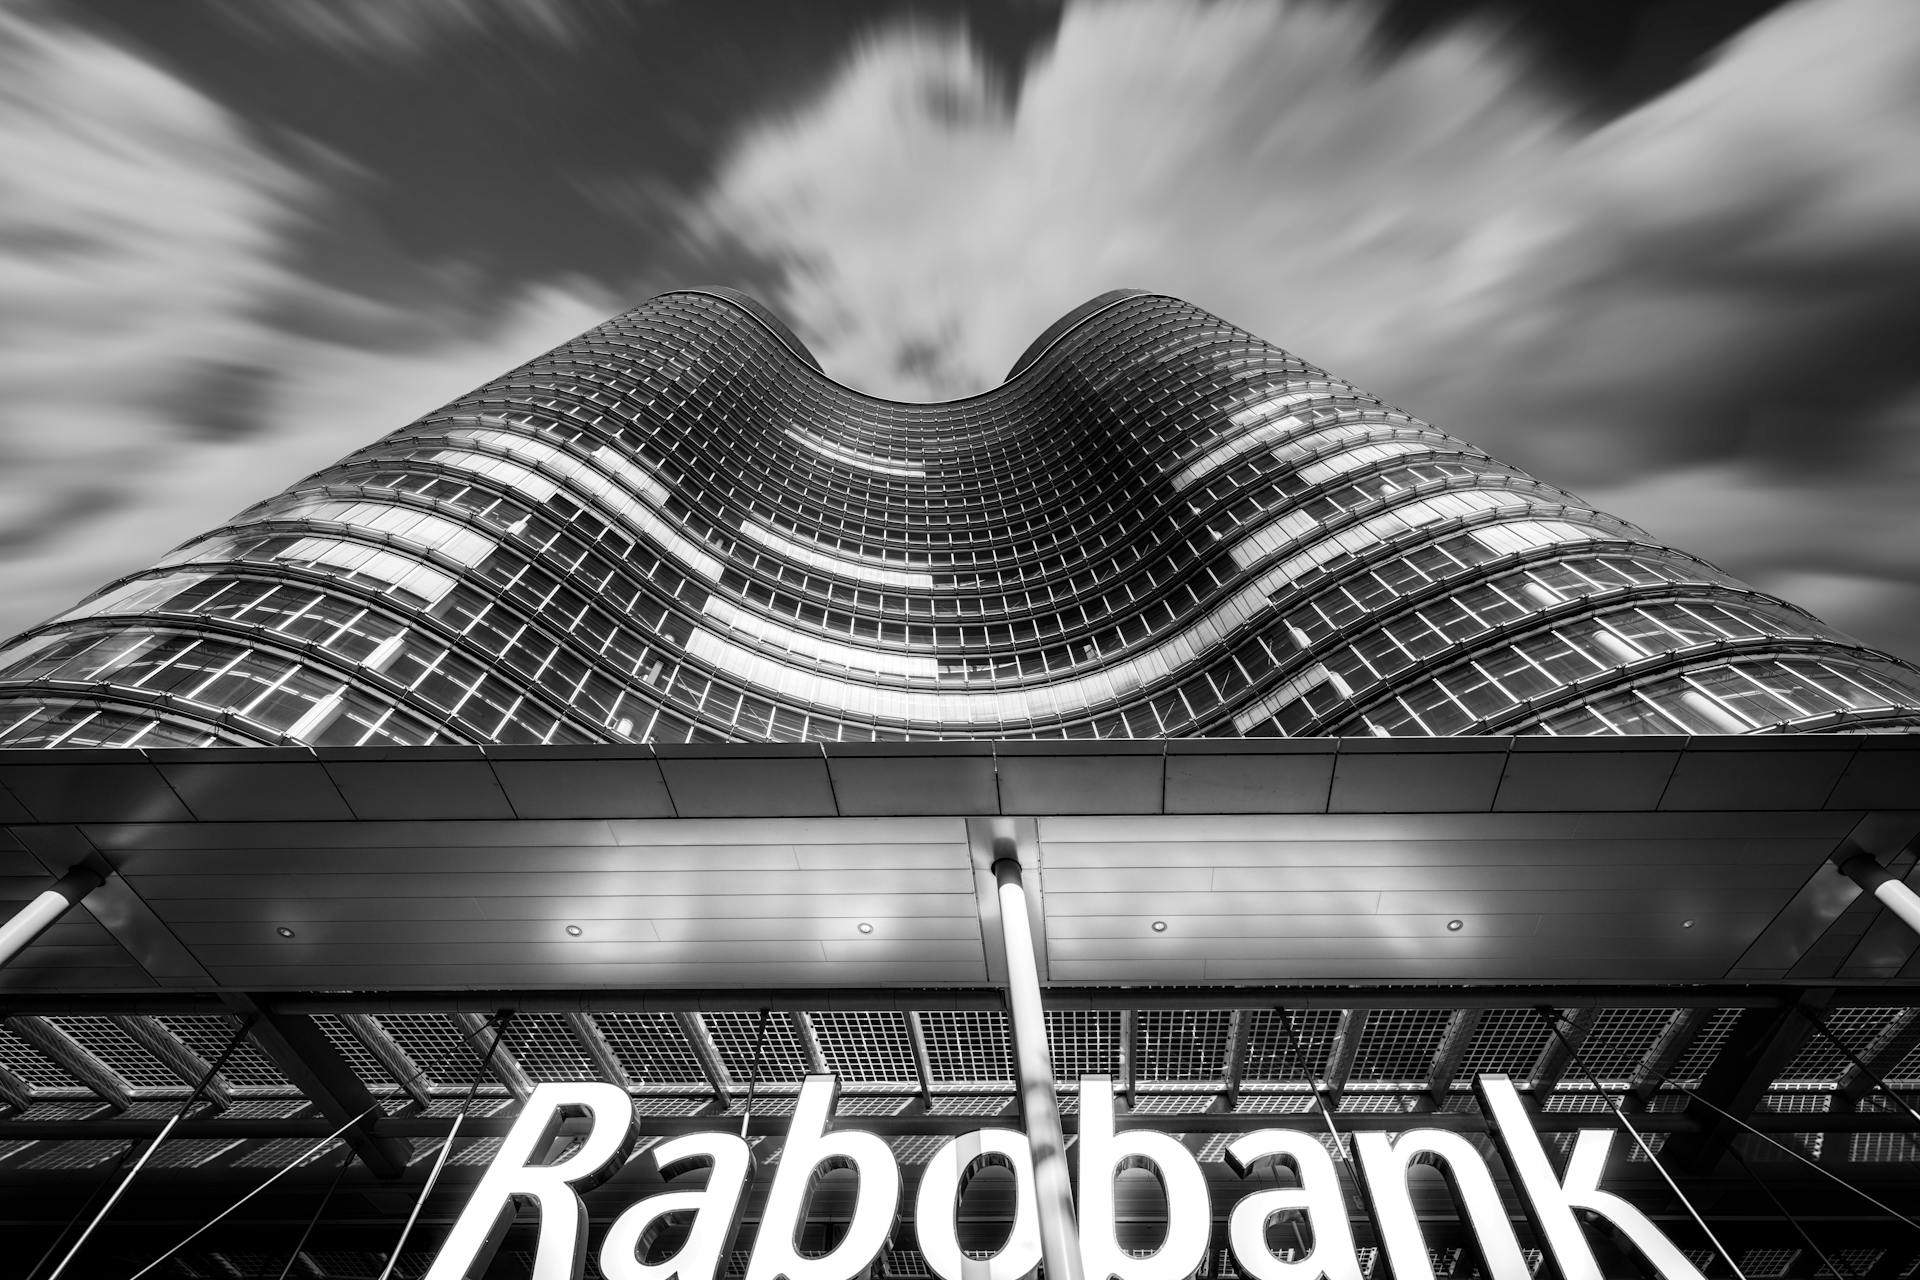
(677, 528)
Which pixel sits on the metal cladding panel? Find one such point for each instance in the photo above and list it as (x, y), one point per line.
(1377, 861)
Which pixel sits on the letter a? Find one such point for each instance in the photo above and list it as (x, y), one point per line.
(1103, 1154)
(811, 1150)
(1551, 1201)
(623, 1252)
(511, 1182)
(1318, 1196)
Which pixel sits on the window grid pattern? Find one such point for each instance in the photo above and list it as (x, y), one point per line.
(1181, 1045)
(1820, 1059)
(1399, 1044)
(674, 528)
(245, 1067)
(130, 1062)
(1617, 1042)
(969, 1047)
(1083, 1042)
(546, 1048)
(651, 1048)
(737, 1035)
(866, 1047)
(1507, 1042)
(1273, 1057)
(449, 1062)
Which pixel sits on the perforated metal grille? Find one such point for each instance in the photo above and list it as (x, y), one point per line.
(1507, 1041)
(1821, 1059)
(1399, 1044)
(1618, 1040)
(1705, 1047)
(547, 1049)
(1271, 1056)
(1182, 1045)
(736, 1035)
(1084, 1043)
(246, 1067)
(30, 1065)
(651, 1048)
(968, 1048)
(866, 1046)
(121, 1054)
(439, 1047)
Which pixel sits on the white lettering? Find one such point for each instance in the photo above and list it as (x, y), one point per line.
(1387, 1163)
(945, 1181)
(1102, 1155)
(810, 1152)
(512, 1182)
(1318, 1199)
(1551, 1201)
(712, 1208)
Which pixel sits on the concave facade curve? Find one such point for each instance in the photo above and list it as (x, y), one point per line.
(675, 527)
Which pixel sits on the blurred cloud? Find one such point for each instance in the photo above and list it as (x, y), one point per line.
(215, 278)
(1694, 312)
(147, 388)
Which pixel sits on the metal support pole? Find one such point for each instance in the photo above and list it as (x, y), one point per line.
(1865, 870)
(30, 921)
(1033, 1068)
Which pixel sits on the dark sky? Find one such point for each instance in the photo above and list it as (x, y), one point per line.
(1662, 251)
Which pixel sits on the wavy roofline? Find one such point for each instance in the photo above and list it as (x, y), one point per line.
(1050, 337)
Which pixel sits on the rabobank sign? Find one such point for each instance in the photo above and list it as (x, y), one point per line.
(516, 1181)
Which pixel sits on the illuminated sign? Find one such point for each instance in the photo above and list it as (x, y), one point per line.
(710, 1215)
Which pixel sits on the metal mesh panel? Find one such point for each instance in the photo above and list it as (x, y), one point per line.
(782, 1059)
(1182, 1045)
(547, 1049)
(1084, 1043)
(246, 1067)
(1767, 1262)
(121, 1054)
(1274, 1103)
(1507, 1041)
(83, 1154)
(27, 1062)
(1389, 1103)
(1705, 1047)
(651, 1048)
(1270, 1055)
(870, 1047)
(1618, 1040)
(1399, 1044)
(191, 1153)
(378, 1080)
(1820, 1059)
(1850, 1263)
(968, 1048)
(871, 1106)
(962, 1105)
(916, 1150)
(1173, 1104)
(439, 1047)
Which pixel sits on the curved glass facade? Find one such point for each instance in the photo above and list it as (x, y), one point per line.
(676, 527)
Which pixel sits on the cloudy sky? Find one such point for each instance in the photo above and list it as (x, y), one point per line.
(1665, 252)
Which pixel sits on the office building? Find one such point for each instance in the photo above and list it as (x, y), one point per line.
(677, 528)
(665, 717)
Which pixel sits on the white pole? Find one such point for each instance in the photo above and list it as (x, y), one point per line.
(30, 921)
(1898, 897)
(1033, 1066)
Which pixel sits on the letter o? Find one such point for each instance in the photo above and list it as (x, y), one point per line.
(941, 1186)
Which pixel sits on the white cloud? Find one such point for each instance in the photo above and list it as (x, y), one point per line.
(144, 393)
(1694, 286)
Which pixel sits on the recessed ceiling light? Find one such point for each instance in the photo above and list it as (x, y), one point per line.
(284, 932)
(1455, 926)
(1686, 924)
(573, 931)
(1159, 926)
(865, 927)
